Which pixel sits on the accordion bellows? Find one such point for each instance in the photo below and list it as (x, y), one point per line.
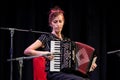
(84, 56)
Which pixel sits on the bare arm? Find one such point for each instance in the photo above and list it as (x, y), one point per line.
(31, 50)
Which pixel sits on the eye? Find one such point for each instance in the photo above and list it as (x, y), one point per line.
(60, 21)
(55, 21)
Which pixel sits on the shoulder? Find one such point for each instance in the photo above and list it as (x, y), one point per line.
(46, 36)
(43, 36)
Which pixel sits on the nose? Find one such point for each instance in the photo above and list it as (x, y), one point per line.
(58, 23)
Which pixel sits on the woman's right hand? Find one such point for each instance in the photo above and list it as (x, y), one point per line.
(50, 56)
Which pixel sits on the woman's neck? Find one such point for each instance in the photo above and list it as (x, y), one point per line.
(59, 35)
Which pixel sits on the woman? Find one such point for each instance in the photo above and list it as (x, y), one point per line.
(56, 22)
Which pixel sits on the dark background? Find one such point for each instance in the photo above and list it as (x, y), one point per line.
(94, 22)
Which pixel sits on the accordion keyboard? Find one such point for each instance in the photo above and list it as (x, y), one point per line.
(55, 63)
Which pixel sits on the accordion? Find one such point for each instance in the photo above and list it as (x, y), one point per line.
(69, 54)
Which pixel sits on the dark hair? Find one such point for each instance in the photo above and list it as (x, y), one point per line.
(55, 11)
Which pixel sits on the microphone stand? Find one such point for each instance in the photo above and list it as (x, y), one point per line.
(111, 52)
(20, 59)
(11, 45)
(11, 51)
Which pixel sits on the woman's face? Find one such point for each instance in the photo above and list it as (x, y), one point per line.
(57, 23)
